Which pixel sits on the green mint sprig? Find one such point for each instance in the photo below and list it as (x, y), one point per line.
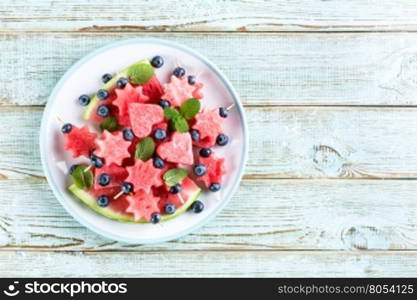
(82, 178)
(140, 72)
(145, 149)
(109, 123)
(174, 176)
(179, 118)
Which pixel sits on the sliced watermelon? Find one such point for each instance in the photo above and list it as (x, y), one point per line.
(142, 205)
(178, 90)
(215, 169)
(112, 147)
(143, 117)
(178, 149)
(117, 176)
(188, 188)
(144, 176)
(80, 141)
(153, 89)
(209, 124)
(128, 94)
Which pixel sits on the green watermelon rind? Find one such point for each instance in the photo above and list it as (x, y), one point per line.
(89, 200)
(109, 86)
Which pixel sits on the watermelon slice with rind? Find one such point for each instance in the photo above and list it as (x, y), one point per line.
(188, 188)
(142, 205)
(153, 89)
(215, 169)
(144, 176)
(143, 117)
(178, 90)
(209, 124)
(178, 149)
(112, 147)
(117, 176)
(80, 141)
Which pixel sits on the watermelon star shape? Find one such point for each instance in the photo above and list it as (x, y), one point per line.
(215, 169)
(80, 141)
(178, 90)
(209, 124)
(112, 147)
(128, 94)
(143, 176)
(142, 205)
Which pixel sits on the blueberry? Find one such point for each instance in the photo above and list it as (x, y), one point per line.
(155, 218)
(200, 170)
(103, 111)
(175, 189)
(96, 161)
(164, 103)
(214, 187)
(103, 201)
(103, 179)
(127, 188)
(106, 77)
(160, 134)
(222, 139)
(84, 100)
(121, 83)
(72, 169)
(158, 162)
(102, 94)
(191, 79)
(66, 128)
(170, 209)
(223, 112)
(157, 61)
(197, 207)
(128, 134)
(179, 72)
(195, 135)
(205, 152)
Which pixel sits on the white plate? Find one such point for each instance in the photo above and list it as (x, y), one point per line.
(85, 77)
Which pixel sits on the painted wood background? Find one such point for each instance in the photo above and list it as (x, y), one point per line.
(330, 91)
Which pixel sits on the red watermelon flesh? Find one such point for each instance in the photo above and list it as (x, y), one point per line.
(143, 117)
(209, 124)
(117, 176)
(80, 141)
(112, 147)
(188, 187)
(144, 176)
(142, 205)
(128, 94)
(120, 204)
(197, 90)
(153, 89)
(178, 90)
(215, 169)
(109, 102)
(178, 149)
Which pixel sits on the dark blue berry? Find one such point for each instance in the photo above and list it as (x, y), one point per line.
(102, 94)
(195, 135)
(164, 103)
(106, 77)
(128, 134)
(103, 179)
(179, 72)
(223, 112)
(103, 201)
(222, 139)
(157, 61)
(84, 100)
(205, 152)
(72, 169)
(200, 170)
(127, 188)
(170, 209)
(121, 82)
(158, 162)
(96, 161)
(197, 207)
(66, 128)
(175, 189)
(155, 218)
(160, 134)
(214, 187)
(103, 111)
(191, 79)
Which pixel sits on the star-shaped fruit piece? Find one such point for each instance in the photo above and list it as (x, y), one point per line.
(128, 94)
(143, 117)
(215, 169)
(209, 124)
(143, 175)
(178, 149)
(112, 147)
(142, 205)
(80, 141)
(178, 90)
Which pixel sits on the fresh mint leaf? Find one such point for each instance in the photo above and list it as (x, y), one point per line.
(141, 72)
(170, 113)
(180, 124)
(174, 176)
(82, 178)
(190, 108)
(145, 149)
(109, 123)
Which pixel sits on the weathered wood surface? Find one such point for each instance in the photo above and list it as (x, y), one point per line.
(285, 142)
(264, 215)
(267, 69)
(213, 15)
(209, 264)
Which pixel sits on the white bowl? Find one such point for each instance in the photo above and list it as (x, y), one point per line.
(85, 77)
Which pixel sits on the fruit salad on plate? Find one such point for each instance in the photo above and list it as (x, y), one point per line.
(151, 146)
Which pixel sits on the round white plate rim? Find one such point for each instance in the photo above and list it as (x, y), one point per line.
(56, 190)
